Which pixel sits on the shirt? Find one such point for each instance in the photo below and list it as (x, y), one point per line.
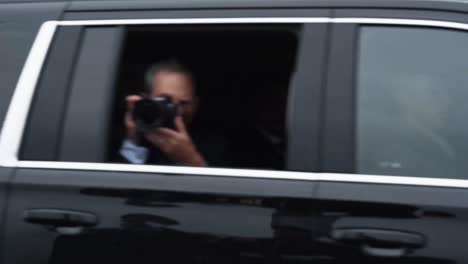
(133, 153)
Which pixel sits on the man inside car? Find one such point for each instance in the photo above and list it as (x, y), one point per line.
(175, 144)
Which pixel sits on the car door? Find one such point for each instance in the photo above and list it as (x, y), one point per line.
(19, 26)
(65, 208)
(395, 138)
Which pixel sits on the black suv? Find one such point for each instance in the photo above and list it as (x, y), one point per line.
(347, 122)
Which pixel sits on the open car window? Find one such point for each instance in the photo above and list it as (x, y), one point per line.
(242, 75)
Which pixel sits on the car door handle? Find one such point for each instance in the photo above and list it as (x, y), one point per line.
(380, 242)
(60, 218)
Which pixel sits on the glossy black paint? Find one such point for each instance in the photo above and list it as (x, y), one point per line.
(148, 218)
(106, 5)
(436, 216)
(19, 24)
(5, 177)
(384, 223)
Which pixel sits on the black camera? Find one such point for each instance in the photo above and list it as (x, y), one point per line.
(153, 113)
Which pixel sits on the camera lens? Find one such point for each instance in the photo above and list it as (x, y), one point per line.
(150, 114)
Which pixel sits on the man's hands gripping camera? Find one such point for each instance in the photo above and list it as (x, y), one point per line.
(176, 143)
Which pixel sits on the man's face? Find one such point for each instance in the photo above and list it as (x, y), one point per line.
(179, 87)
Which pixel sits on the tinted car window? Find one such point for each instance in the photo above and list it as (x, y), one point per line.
(412, 85)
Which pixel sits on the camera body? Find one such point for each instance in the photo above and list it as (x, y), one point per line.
(153, 113)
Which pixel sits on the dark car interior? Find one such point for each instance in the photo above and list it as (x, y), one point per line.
(242, 76)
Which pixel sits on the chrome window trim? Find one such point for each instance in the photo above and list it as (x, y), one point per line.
(16, 117)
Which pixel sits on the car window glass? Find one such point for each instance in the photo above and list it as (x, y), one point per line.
(412, 85)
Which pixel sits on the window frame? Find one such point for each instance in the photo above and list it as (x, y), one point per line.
(339, 155)
(37, 58)
(12, 131)
(41, 138)
(85, 130)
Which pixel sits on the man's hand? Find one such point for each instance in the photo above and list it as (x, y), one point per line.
(176, 144)
(128, 119)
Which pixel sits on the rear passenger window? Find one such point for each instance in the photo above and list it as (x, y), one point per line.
(231, 85)
(231, 82)
(412, 88)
